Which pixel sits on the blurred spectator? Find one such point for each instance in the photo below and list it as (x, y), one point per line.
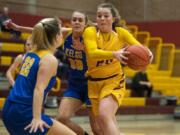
(141, 87)
(4, 17)
(62, 71)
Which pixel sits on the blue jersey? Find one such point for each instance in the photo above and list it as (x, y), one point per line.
(23, 89)
(77, 84)
(76, 59)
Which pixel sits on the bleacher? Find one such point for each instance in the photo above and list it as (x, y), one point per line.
(9, 49)
(163, 72)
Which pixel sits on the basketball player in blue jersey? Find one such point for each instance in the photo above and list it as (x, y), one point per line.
(76, 94)
(15, 66)
(22, 113)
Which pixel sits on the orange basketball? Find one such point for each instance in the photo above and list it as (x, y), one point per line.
(139, 57)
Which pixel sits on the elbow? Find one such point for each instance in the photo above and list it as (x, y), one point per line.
(38, 94)
(7, 74)
(91, 55)
(39, 91)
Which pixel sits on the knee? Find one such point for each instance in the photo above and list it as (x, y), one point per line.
(63, 118)
(104, 117)
(96, 131)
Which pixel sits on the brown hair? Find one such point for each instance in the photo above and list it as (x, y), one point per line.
(114, 12)
(87, 21)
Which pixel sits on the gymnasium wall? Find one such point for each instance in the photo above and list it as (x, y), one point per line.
(63, 8)
(150, 10)
(131, 10)
(168, 30)
(160, 17)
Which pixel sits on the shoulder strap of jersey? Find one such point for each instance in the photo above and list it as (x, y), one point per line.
(66, 35)
(42, 53)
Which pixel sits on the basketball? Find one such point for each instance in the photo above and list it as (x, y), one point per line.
(139, 57)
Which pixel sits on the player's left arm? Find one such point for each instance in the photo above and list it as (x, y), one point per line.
(45, 72)
(127, 37)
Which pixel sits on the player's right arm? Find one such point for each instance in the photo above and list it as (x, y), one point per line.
(11, 71)
(90, 41)
(12, 25)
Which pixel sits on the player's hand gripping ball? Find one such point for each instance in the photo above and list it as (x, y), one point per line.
(139, 57)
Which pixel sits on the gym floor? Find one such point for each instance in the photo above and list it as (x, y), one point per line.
(132, 124)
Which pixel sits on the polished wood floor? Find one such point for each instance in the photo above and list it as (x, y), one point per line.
(134, 125)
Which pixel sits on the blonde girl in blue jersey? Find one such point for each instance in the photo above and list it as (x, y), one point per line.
(104, 49)
(22, 112)
(76, 94)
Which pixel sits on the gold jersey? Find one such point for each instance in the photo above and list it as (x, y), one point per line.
(99, 50)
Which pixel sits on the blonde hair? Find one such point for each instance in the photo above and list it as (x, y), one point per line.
(45, 32)
(29, 39)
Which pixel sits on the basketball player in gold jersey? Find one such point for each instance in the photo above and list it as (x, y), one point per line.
(106, 80)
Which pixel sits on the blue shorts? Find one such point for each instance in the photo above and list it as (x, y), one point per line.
(17, 116)
(77, 88)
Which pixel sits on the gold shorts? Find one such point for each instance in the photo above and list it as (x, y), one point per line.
(97, 90)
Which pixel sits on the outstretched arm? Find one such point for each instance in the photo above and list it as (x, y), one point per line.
(11, 25)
